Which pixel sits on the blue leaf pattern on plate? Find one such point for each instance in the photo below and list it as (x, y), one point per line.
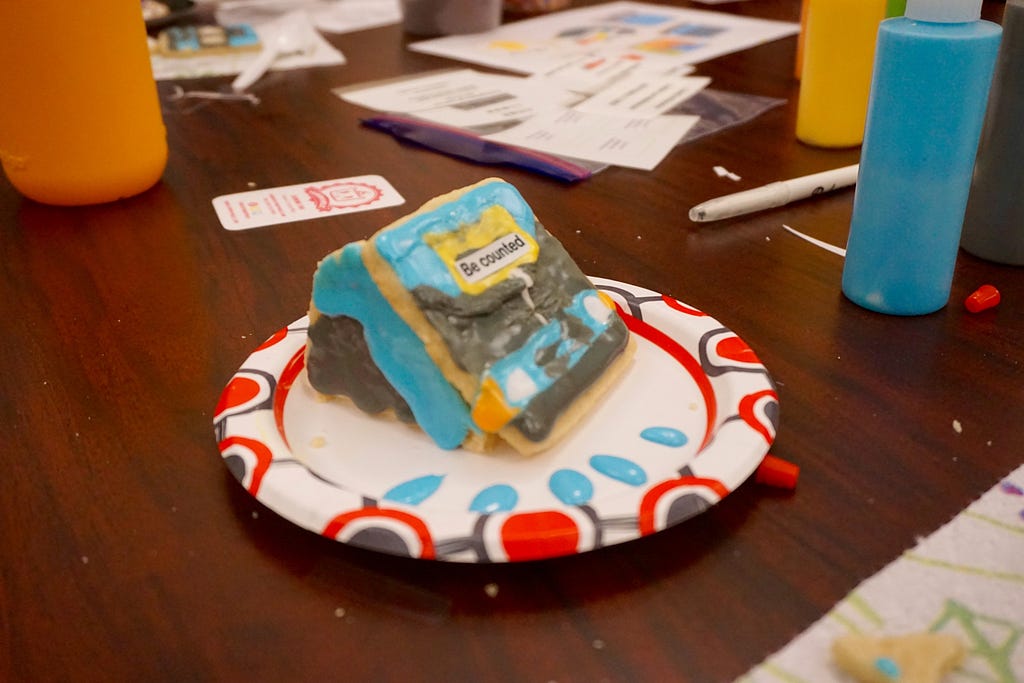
(666, 436)
(415, 491)
(620, 469)
(571, 487)
(496, 498)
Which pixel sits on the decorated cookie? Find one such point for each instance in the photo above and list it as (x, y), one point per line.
(191, 40)
(469, 318)
(911, 658)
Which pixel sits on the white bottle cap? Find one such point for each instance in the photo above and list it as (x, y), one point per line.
(944, 11)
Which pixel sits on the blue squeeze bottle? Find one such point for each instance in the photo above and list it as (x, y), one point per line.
(933, 68)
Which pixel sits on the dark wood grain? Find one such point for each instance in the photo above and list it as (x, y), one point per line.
(128, 552)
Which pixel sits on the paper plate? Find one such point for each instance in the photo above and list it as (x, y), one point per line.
(689, 421)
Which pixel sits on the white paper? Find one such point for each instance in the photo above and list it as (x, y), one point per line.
(655, 34)
(522, 102)
(346, 16)
(476, 115)
(639, 96)
(464, 98)
(587, 75)
(332, 16)
(621, 129)
(634, 143)
(442, 89)
(259, 208)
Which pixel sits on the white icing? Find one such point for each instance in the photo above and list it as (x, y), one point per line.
(598, 310)
(520, 386)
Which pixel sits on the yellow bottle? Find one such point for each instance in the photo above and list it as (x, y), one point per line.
(838, 53)
(80, 118)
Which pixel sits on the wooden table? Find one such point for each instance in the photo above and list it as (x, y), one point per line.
(130, 553)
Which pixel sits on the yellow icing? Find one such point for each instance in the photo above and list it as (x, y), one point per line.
(496, 225)
(490, 411)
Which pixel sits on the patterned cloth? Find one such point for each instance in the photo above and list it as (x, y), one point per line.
(966, 579)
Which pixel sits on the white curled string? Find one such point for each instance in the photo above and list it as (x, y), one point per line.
(179, 93)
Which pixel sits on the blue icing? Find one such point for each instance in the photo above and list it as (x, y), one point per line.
(619, 469)
(496, 498)
(416, 263)
(414, 491)
(571, 487)
(343, 286)
(578, 307)
(666, 436)
(888, 668)
(522, 361)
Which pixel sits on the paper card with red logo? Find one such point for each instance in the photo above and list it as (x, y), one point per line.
(258, 208)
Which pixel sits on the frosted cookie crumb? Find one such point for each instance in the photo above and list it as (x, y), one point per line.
(912, 657)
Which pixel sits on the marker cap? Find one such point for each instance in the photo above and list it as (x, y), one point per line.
(944, 11)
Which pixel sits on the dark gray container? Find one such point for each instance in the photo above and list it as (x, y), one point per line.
(450, 17)
(994, 220)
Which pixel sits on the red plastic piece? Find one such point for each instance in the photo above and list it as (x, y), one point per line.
(777, 472)
(982, 298)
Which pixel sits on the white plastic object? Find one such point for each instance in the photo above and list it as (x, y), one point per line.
(293, 33)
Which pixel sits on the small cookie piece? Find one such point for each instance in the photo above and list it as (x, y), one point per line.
(910, 658)
(192, 41)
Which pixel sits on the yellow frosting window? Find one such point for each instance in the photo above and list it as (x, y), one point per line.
(484, 254)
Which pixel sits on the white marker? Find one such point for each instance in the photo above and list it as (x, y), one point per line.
(774, 194)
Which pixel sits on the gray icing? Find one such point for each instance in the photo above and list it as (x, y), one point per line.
(537, 419)
(338, 362)
(435, 301)
(481, 329)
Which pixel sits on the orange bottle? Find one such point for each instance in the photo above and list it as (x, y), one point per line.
(80, 119)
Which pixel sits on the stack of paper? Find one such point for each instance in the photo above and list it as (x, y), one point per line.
(605, 83)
